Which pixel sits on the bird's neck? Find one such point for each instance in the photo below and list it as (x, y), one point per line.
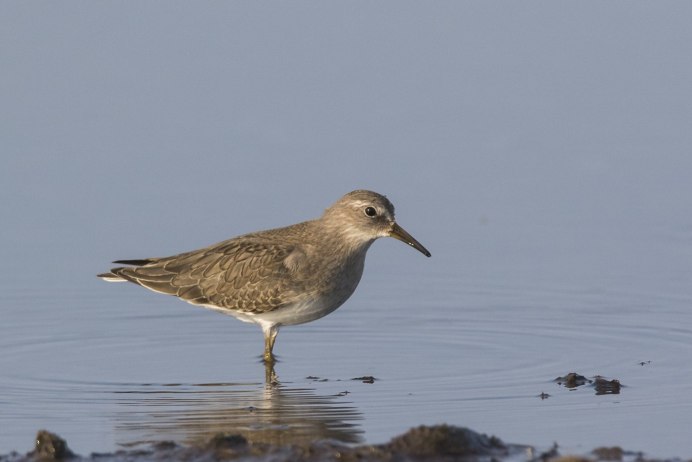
(349, 244)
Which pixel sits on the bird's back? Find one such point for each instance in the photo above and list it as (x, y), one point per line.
(247, 273)
(254, 273)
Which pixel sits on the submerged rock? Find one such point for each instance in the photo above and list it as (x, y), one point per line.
(445, 440)
(424, 443)
(50, 446)
(437, 443)
(611, 453)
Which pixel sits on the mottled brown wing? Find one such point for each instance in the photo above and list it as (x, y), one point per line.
(240, 275)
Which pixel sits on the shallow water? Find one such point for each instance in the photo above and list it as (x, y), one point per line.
(112, 365)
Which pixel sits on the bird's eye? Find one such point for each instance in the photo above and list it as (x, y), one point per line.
(370, 211)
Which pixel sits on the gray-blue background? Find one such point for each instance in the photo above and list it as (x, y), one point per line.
(175, 123)
(553, 137)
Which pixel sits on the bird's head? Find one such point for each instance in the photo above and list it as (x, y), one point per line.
(363, 216)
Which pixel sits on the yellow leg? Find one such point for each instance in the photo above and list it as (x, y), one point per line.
(270, 333)
(270, 377)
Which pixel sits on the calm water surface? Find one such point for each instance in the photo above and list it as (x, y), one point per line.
(469, 341)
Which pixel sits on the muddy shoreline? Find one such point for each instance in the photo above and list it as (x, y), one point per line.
(424, 443)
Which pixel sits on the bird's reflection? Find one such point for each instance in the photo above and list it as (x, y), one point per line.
(268, 412)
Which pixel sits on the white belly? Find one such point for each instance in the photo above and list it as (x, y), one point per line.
(297, 313)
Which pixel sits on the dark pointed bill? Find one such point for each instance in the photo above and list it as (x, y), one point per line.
(398, 232)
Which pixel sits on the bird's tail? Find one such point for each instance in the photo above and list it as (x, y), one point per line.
(113, 276)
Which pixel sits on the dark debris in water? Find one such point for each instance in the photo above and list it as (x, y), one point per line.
(572, 380)
(602, 385)
(603, 454)
(364, 379)
(600, 454)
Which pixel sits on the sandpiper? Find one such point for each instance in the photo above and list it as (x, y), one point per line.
(277, 277)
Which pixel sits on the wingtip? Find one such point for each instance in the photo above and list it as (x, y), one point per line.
(136, 262)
